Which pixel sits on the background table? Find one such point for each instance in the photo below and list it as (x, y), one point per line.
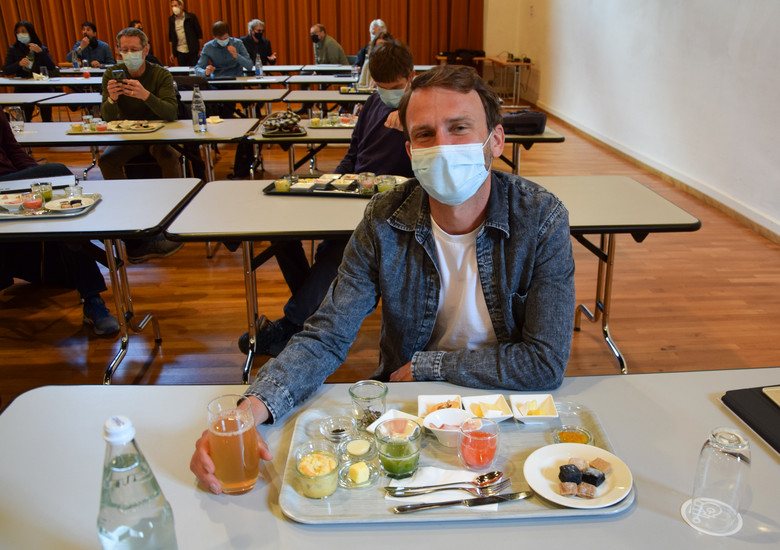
(516, 141)
(327, 96)
(57, 81)
(24, 98)
(52, 458)
(128, 209)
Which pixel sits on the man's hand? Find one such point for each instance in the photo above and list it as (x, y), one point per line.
(134, 88)
(171, 60)
(203, 466)
(394, 121)
(114, 89)
(210, 69)
(84, 43)
(272, 57)
(95, 64)
(404, 374)
(233, 51)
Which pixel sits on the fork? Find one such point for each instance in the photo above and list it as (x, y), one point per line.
(476, 491)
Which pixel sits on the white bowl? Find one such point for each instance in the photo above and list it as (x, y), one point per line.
(544, 402)
(446, 417)
(391, 414)
(493, 406)
(12, 203)
(426, 403)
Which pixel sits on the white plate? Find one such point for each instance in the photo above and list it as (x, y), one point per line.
(541, 399)
(498, 416)
(541, 470)
(56, 204)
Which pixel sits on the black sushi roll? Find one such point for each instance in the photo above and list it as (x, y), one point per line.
(570, 474)
(593, 476)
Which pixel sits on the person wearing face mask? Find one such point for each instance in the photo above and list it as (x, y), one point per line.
(26, 56)
(365, 80)
(224, 55)
(377, 145)
(376, 28)
(474, 269)
(150, 57)
(326, 49)
(96, 52)
(184, 34)
(256, 43)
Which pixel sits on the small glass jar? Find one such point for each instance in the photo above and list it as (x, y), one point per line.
(369, 401)
(317, 467)
(385, 183)
(337, 428)
(572, 434)
(73, 191)
(367, 180)
(398, 442)
(355, 448)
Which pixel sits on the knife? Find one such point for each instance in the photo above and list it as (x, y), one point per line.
(479, 501)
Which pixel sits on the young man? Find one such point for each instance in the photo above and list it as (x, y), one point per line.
(144, 93)
(377, 145)
(256, 43)
(474, 268)
(223, 56)
(184, 34)
(326, 49)
(96, 52)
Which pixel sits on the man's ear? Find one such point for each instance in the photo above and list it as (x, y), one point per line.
(409, 148)
(497, 141)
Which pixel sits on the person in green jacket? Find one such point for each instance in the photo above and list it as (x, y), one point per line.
(326, 49)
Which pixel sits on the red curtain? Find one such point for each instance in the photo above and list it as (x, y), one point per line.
(427, 26)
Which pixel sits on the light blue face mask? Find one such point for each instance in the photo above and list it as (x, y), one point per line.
(451, 174)
(133, 60)
(224, 42)
(391, 98)
(23, 38)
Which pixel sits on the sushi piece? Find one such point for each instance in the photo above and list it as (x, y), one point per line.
(580, 463)
(593, 476)
(586, 490)
(569, 489)
(600, 464)
(569, 473)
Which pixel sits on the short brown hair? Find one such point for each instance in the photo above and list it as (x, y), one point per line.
(219, 28)
(390, 61)
(132, 31)
(458, 78)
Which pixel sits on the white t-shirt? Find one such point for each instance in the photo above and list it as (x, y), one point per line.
(462, 320)
(181, 46)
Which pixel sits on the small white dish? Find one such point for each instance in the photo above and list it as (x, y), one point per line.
(426, 404)
(12, 203)
(391, 414)
(452, 418)
(545, 406)
(493, 406)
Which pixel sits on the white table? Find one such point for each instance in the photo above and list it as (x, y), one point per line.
(325, 68)
(250, 215)
(282, 69)
(322, 79)
(52, 459)
(516, 141)
(58, 81)
(324, 96)
(128, 209)
(25, 98)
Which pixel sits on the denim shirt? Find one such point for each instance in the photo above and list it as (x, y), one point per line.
(526, 270)
(224, 62)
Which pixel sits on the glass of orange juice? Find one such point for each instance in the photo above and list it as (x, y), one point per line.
(233, 440)
(478, 443)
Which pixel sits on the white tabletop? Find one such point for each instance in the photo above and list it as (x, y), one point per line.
(128, 208)
(75, 98)
(52, 458)
(252, 94)
(282, 68)
(240, 209)
(23, 98)
(328, 68)
(54, 81)
(320, 79)
(329, 96)
(250, 80)
(53, 134)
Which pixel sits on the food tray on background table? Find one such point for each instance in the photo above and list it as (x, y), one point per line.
(369, 505)
(360, 90)
(327, 185)
(53, 212)
(122, 127)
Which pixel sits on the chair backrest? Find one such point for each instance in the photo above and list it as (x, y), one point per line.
(188, 82)
(351, 59)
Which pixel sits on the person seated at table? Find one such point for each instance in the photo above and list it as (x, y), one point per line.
(136, 23)
(145, 93)
(474, 269)
(256, 43)
(96, 52)
(326, 49)
(375, 28)
(66, 264)
(224, 55)
(365, 80)
(377, 145)
(184, 34)
(26, 56)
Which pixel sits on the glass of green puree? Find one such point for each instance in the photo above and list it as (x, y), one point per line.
(398, 442)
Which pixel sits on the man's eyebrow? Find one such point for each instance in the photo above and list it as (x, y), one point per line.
(449, 122)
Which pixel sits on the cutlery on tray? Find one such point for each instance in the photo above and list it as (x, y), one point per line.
(469, 502)
(485, 491)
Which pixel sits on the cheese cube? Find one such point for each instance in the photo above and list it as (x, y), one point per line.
(359, 473)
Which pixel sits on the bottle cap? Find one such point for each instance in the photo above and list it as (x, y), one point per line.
(118, 430)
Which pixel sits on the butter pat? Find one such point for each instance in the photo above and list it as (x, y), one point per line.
(359, 473)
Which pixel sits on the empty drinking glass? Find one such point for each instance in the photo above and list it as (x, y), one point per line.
(16, 118)
(44, 72)
(721, 478)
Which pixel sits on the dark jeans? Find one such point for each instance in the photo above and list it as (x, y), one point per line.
(48, 170)
(189, 59)
(308, 284)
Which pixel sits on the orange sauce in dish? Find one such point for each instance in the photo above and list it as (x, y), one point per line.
(572, 437)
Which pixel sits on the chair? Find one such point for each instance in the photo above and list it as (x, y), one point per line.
(351, 59)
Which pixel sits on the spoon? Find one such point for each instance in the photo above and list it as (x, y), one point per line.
(482, 480)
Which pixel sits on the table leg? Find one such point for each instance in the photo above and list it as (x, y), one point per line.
(124, 304)
(209, 160)
(94, 151)
(605, 252)
(250, 283)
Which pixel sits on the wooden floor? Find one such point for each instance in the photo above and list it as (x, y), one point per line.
(688, 301)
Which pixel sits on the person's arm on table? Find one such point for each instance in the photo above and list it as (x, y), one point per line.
(204, 67)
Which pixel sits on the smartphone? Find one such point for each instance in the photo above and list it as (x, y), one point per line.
(118, 74)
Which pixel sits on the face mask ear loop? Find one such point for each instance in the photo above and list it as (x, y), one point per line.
(488, 155)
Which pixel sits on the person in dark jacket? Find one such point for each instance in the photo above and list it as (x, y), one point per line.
(185, 34)
(26, 56)
(150, 57)
(256, 43)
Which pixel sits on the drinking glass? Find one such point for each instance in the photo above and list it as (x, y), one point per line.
(333, 119)
(87, 120)
(32, 201)
(398, 442)
(368, 401)
(44, 188)
(44, 72)
(478, 443)
(367, 180)
(316, 117)
(73, 191)
(233, 440)
(16, 118)
(721, 478)
(385, 183)
(317, 465)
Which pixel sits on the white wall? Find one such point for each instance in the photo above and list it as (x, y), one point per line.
(690, 87)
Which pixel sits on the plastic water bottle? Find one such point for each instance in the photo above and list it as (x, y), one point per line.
(258, 66)
(134, 514)
(74, 56)
(198, 111)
